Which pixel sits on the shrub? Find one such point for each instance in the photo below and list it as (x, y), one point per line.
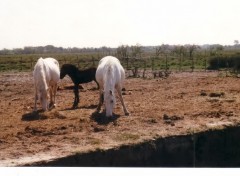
(220, 62)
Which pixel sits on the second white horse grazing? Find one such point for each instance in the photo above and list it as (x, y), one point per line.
(46, 75)
(110, 75)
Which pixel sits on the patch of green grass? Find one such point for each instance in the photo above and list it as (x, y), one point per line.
(127, 137)
(201, 61)
(94, 141)
(27, 62)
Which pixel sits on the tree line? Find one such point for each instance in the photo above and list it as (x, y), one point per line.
(123, 50)
(50, 49)
(137, 56)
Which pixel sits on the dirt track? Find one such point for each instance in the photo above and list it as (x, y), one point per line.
(183, 103)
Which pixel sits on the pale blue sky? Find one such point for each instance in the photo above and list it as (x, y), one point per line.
(96, 23)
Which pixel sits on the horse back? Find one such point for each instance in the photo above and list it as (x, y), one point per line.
(110, 65)
(87, 75)
(52, 69)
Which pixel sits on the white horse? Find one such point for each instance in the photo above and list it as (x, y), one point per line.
(46, 75)
(110, 75)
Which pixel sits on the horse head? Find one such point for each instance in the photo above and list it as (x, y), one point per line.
(68, 69)
(65, 69)
(62, 72)
(109, 100)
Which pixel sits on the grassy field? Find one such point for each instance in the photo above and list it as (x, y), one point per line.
(27, 62)
(172, 61)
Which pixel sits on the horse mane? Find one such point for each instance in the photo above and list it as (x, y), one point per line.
(74, 69)
(71, 67)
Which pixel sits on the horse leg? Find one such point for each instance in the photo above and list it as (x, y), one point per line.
(54, 90)
(100, 100)
(51, 96)
(76, 99)
(54, 94)
(119, 90)
(36, 98)
(97, 84)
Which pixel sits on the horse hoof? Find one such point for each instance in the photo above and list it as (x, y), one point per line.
(96, 112)
(50, 104)
(74, 107)
(127, 113)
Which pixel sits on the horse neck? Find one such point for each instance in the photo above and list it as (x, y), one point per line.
(72, 72)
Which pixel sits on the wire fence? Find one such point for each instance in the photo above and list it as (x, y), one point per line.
(151, 66)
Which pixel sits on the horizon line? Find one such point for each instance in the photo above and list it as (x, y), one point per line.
(33, 46)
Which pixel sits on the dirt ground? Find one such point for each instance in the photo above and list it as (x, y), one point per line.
(181, 104)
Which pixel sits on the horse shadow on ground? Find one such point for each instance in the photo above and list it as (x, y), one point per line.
(81, 107)
(93, 89)
(101, 118)
(80, 87)
(35, 115)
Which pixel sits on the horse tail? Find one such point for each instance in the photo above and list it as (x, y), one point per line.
(41, 74)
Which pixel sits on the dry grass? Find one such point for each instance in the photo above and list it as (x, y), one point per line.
(151, 103)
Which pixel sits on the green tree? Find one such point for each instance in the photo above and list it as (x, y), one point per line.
(122, 51)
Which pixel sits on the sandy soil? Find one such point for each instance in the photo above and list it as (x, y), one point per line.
(181, 104)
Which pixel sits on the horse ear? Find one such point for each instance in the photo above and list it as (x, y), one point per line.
(110, 91)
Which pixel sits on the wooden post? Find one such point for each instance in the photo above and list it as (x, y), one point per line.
(21, 62)
(166, 63)
(192, 63)
(135, 74)
(144, 70)
(78, 61)
(205, 60)
(153, 64)
(180, 63)
(93, 62)
(31, 67)
(127, 62)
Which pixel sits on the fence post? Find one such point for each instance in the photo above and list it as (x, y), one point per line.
(78, 61)
(21, 62)
(127, 63)
(192, 63)
(152, 63)
(31, 67)
(205, 64)
(93, 62)
(144, 70)
(135, 71)
(180, 63)
(166, 63)
(65, 61)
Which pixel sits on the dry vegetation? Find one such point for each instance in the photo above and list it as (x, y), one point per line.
(181, 104)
